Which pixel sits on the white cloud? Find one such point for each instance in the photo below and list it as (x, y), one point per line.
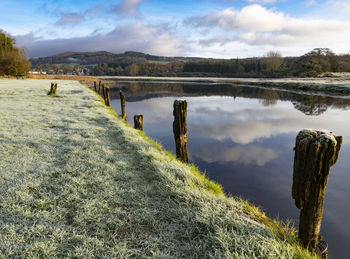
(135, 36)
(343, 6)
(262, 1)
(128, 8)
(70, 18)
(77, 17)
(255, 25)
(253, 17)
(310, 2)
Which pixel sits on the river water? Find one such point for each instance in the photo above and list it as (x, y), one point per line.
(243, 138)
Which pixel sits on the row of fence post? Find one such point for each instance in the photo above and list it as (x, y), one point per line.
(104, 92)
(315, 153)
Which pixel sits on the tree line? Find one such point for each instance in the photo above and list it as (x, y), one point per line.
(12, 59)
(313, 63)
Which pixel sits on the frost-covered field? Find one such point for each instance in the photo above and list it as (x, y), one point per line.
(75, 181)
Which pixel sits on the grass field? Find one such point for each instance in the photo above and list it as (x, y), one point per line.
(78, 182)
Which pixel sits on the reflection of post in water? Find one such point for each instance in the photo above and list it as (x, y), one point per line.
(315, 153)
(180, 129)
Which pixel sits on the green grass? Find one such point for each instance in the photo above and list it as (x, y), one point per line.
(78, 182)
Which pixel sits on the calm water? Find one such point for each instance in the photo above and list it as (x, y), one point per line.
(243, 138)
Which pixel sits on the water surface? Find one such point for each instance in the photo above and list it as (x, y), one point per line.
(243, 138)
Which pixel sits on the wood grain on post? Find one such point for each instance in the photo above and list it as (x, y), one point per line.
(180, 129)
(122, 103)
(138, 121)
(315, 153)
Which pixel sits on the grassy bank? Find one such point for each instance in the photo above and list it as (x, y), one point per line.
(75, 181)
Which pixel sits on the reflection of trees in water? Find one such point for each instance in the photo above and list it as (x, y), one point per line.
(308, 104)
(314, 109)
(269, 98)
(316, 105)
(137, 91)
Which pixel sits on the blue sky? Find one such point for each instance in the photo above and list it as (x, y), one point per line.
(208, 28)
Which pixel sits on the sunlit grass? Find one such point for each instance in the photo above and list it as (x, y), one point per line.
(77, 181)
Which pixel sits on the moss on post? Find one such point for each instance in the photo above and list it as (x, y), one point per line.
(138, 121)
(180, 129)
(122, 104)
(315, 153)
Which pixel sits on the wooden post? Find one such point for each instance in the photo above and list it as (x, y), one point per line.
(315, 153)
(107, 97)
(103, 92)
(53, 89)
(95, 86)
(138, 121)
(99, 88)
(122, 103)
(180, 129)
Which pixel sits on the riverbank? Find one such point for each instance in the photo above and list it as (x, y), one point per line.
(336, 84)
(76, 181)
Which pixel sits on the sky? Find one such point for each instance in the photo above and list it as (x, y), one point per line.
(192, 28)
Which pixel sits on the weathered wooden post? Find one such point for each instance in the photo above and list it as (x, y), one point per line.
(95, 87)
(99, 87)
(107, 96)
(315, 153)
(53, 89)
(138, 121)
(180, 129)
(122, 103)
(103, 92)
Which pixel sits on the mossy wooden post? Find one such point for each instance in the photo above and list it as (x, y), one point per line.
(138, 121)
(315, 153)
(122, 104)
(180, 129)
(107, 96)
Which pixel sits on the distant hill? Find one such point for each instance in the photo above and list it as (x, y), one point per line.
(132, 63)
(99, 57)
